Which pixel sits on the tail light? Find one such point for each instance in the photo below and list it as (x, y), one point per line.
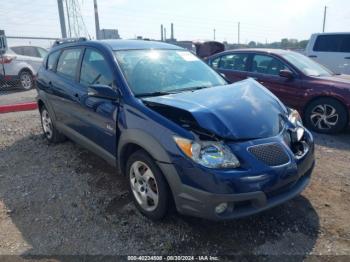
(6, 59)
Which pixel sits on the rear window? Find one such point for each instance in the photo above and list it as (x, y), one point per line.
(68, 63)
(333, 43)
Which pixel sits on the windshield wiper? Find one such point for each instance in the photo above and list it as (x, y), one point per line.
(175, 91)
(190, 88)
(158, 93)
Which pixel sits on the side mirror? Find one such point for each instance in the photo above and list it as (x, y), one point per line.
(286, 73)
(103, 91)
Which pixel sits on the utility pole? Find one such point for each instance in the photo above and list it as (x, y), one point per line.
(97, 22)
(164, 34)
(214, 34)
(69, 29)
(239, 33)
(62, 20)
(161, 33)
(324, 18)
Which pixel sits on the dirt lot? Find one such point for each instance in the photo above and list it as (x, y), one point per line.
(61, 199)
(13, 96)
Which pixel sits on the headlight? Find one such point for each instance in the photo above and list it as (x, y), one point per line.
(210, 154)
(296, 120)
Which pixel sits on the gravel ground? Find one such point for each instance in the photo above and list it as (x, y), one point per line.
(61, 199)
(14, 96)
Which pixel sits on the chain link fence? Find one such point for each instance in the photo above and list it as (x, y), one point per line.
(15, 63)
(20, 46)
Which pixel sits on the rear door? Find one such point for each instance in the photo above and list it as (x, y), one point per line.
(265, 69)
(64, 89)
(233, 65)
(97, 115)
(332, 51)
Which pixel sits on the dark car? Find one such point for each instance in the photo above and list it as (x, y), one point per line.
(322, 97)
(175, 128)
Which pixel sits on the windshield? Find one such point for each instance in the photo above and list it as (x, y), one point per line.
(164, 71)
(306, 65)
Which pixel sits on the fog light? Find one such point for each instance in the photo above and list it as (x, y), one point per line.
(221, 208)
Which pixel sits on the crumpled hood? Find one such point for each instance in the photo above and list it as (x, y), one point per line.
(243, 110)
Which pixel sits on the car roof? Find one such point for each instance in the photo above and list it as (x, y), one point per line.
(333, 33)
(137, 44)
(116, 45)
(259, 50)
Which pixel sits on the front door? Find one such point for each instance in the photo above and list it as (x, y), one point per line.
(99, 116)
(265, 69)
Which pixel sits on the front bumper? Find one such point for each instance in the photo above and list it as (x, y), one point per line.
(246, 191)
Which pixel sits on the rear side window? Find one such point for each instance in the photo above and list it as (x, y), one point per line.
(17, 49)
(333, 43)
(215, 63)
(52, 60)
(95, 70)
(265, 64)
(68, 63)
(30, 51)
(236, 62)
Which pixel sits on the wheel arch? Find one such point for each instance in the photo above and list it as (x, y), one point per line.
(26, 69)
(337, 99)
(135, 139)
(307, 104)
(41, 104)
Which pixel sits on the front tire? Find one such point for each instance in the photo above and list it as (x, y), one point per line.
(49, 129)
(326, 115)
(26, 80)
(147, 185)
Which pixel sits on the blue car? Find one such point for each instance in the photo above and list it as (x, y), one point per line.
(175, 128)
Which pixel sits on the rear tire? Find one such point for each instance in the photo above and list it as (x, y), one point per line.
(326, 115)
(26, 80)
(147, 186)
(50, 132)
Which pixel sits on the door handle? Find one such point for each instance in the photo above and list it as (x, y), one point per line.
(313, 56)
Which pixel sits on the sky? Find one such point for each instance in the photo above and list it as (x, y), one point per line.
(260, 20)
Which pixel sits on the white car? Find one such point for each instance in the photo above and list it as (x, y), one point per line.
(331, 50)
(19, 65)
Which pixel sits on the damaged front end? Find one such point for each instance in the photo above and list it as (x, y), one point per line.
(184, 119)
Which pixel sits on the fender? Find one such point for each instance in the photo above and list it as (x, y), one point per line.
(42, 97)
(144, 140)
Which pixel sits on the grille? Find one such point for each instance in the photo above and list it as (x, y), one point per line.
(270, 154)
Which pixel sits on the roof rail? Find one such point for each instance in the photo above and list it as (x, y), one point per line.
(68, 40)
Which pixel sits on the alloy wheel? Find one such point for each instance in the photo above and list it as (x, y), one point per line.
(26, 80)
(144, 186)
(324, 116)
(47, 123)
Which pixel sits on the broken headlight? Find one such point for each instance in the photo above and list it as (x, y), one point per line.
(210, 154)
(298, 132)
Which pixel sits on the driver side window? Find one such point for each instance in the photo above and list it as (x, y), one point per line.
(268, 65)
(95, 70)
